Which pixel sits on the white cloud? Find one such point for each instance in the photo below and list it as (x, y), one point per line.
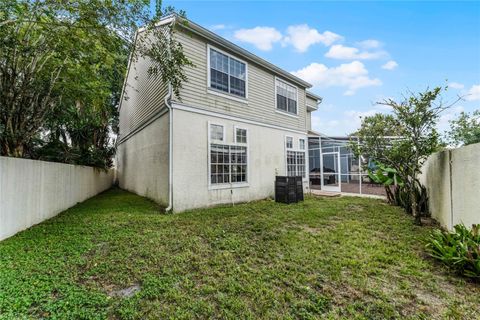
(301, 37)
(339, 51)
(351, 75)
(390, 65)
(456, 85)
(261, 37)
(217, 27)
(329, 126)
(345, 122)
(447, 116)
(370, 44)
(473, 93)
(357, 116)
(360, 114)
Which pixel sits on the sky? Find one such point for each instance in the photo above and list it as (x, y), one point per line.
(358, 53)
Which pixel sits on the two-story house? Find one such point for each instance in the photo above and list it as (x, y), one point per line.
(240, 122)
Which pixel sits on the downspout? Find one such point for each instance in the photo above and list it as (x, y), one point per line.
(450, 162)
(170, 148)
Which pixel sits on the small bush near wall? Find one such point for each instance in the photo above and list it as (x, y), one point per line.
(459, 249)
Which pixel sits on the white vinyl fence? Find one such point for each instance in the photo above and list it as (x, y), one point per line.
(32, 191)
(452, 179)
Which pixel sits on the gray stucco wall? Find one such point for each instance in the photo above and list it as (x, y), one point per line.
(142, 161)
(266, 154)
(32, 191)
(452, 179)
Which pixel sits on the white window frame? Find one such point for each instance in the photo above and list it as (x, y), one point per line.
(286, 113)
(286, 146)
(222, 93)
(224, 136)
(296, 164)
(235, 127)
(299, 144)
(304, 179)
(230, 185)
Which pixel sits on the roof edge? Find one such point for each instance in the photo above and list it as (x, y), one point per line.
(313, 95)
(211, 36)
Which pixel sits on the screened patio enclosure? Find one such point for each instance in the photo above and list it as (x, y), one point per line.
(334, 167)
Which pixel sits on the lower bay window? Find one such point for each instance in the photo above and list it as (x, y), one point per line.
(228, 162)
(296, 163)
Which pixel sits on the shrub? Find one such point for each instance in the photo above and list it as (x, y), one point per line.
(459, 249)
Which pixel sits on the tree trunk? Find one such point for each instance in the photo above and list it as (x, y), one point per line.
(18, 151)
(390, 195)
(414, 204)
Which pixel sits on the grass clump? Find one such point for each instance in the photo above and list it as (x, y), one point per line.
(459, 249)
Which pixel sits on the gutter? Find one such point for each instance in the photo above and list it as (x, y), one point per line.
(314, 96)
(170, 148)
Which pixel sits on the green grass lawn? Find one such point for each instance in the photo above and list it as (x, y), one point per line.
(118, 256)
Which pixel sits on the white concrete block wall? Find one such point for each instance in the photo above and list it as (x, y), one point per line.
(466, 185)
(142, 161)
(436, 178)
(32, 191)
(266, 153)
(452, 179)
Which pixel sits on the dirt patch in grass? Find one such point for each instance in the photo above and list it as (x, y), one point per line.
(429, 222)
(124, 292)
(354, 208)
(312, 230)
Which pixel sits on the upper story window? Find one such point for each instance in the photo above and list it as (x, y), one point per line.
(286, 97)
(227, 74)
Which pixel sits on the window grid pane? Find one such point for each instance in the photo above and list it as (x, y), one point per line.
(237, 86)
(296, 163)
(228, 164)
(239, 163)
(220, 171)
(219, 80)
(301, 143)
(291, 167)
(227, 74)
(286, 97)
(289, 142)
(301, 164)
(241, 135)
(216, 132)
(292, 106)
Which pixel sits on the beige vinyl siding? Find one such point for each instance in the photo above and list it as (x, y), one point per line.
(309, 121)
(311, 102)
(260, 89)
(143, 98)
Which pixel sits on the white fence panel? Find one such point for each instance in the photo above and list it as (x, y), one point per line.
(452, 179)
(32, 191)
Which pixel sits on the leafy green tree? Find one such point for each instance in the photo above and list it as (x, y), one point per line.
(62, 66)
(465, 129)
(403, 140)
